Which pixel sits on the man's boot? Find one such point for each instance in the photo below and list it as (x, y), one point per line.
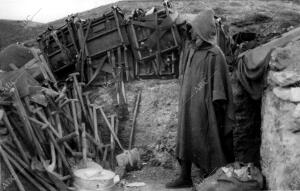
(184, 180)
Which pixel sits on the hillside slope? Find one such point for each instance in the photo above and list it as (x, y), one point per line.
(283, 13)
(12, 31)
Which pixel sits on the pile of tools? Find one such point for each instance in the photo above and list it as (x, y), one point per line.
(48, 137)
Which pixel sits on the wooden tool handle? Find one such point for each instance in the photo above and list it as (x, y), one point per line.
(11, 170)
(134, 119)
(14, 137)
(84, 146)
(111, 130)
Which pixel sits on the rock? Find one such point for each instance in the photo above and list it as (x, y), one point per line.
(296, 116)
(280, 150)
(285, 78)
(287, 57)
(282, 93)
(288, 94)
(279, 57)
(295, 94)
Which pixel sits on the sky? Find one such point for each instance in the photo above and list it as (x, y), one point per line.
(45, 10)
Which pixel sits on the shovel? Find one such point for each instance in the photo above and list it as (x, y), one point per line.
(134, 156)
(131, 139)
(131, 157)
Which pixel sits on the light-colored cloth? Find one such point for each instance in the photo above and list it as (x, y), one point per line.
(253, 64)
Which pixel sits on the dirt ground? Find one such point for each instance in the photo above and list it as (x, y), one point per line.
(156, 121)
(155, 178)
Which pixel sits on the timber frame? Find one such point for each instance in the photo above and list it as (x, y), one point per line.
(110, 48)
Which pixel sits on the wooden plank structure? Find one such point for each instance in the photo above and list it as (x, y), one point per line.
(109, 48)
(155, 43)
(95, 47)
(60, 48)
(106, 42)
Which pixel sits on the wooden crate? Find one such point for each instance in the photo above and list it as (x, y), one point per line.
(107, 44)
(60, 48)
(105, 33)
(155, 44)
(93, 47)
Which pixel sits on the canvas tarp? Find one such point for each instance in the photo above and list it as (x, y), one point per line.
(14, 54)
(24, 82)
(253, 64)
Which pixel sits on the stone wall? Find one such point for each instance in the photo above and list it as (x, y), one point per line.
(280, 149)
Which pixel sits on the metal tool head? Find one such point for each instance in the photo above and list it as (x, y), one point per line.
(74, 74)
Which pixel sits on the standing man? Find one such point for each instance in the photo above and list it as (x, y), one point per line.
(203, 136)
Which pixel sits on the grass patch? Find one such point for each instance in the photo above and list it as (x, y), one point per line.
(293, 1)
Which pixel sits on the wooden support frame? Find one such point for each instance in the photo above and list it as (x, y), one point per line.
(154, 60)
(91, 39)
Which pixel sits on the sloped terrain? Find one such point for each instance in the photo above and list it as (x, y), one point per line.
(17, 31)
(282, 14)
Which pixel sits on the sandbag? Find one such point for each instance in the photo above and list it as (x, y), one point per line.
(14, 54)
(24, 82)
(233, 177)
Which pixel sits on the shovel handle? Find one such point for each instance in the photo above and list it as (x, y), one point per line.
(111, 129)
(14, 137)
(84, 145)
(11, 170)
(134, 120)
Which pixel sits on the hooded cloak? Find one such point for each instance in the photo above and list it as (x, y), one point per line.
(205, 106)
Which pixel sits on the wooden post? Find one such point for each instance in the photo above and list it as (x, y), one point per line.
(112, 141)
(28, 128)
(158, 52)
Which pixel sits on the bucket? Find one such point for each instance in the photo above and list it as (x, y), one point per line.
(111, 188)
(90, 179)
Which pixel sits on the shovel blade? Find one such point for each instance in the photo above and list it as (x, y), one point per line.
(131, 157)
